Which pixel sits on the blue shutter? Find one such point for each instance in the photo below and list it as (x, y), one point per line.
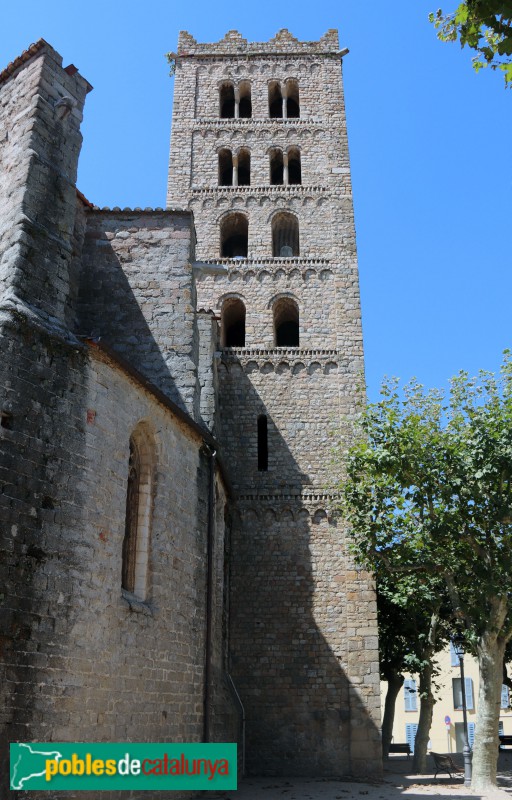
(469, 693)
(410, 696)
(453, 656)
(471, 732)
(410, 734)
(504, 696)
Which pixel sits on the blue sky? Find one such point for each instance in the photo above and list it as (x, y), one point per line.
(429, 144)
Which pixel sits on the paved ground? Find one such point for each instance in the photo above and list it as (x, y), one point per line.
(397, 784)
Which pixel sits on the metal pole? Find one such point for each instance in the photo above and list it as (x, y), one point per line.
(466, 752)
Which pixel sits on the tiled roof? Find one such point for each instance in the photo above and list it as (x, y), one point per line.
(25, 56)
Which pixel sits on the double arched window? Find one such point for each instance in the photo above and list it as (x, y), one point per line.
(235, 100)
(234, 235)
(139, 492)
(283, 99)
(285, 167)
(234, 169)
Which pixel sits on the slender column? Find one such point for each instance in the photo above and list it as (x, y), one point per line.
(237, 102)
(235, 170)
(285, 169)
(285, 109)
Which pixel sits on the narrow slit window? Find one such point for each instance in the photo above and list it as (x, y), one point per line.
(225, 167)
(227, 101)
(275, 100)
(233, 323)
(286, 323)
(135, 550)
(262, 443)
(234, 231)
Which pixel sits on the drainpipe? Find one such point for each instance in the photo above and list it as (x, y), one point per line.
(242, 712)
(209, 594)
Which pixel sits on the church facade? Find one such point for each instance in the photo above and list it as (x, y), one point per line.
(170, 379)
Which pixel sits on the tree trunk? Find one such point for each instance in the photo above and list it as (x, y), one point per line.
(485, 756)
(427, 700)
(395, 683)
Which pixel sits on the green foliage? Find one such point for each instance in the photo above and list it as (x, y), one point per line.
(428, 492)
(171, 60)
(486, 27)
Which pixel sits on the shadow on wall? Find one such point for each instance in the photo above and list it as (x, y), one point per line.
(299, 668)
(137, 294)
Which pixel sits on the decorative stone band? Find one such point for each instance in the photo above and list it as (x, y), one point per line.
(263, 190)
(200, 123)
(269, 262)
(283, 360)
(245, 353)
(316, 505)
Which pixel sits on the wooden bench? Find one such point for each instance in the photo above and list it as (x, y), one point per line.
(505, 740)
(445, 764)
(399, 747)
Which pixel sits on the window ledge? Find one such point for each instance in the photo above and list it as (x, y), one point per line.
(136, 604)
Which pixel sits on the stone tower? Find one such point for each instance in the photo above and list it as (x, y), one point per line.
(259, 154)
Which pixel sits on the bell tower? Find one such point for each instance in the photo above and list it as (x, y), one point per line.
(259, 154)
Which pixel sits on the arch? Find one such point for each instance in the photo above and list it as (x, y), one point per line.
(244, 167)
(225, 167)
(227, 100)
(139, 497)
(285, 235)
(245, 103)
(292, 99)
(294, 167)
(234, 234)
(275, 100)
(232, 324)
(286, 322)
(276, 167)
(262, 443)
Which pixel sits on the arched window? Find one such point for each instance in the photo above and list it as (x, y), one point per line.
(245, 105)
(244, 167)
(285, 235)
(286, 322)
(275, 100)
(276, 167)
(292, 99)
(294, 169)
(227, 101)
(262, 443)
(233, 323)
(135, 554)
(225, 167)
(234, 231)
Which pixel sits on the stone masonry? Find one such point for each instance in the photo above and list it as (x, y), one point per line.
(249, 622)
(303, 635)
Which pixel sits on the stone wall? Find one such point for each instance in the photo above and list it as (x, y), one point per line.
(137, 294)
(303, 630)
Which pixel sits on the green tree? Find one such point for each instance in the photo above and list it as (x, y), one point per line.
(428, 491)
(410, 613)
(486, 27)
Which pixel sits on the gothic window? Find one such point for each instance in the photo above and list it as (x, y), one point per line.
(262, 443)
(285, 235)
(294, 169)
(244, 167)
(275, 100)
(233, 323)
(245, 105)
(292, 99)
(135, 555)
(227, 100)
(234, 231)
(225, 167)
(276, 167)
(286, 322)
